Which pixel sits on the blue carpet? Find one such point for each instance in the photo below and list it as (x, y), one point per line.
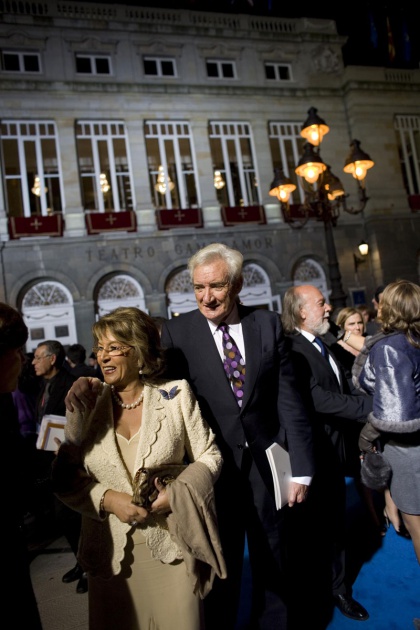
(387, 579)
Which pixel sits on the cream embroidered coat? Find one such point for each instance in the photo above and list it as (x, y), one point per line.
(88, 463)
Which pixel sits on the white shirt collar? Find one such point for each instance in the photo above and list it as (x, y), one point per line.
(309, 336)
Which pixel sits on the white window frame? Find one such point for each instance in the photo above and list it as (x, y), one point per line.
(27, 132)
(46, 307)
(219, 65)
(106, 131)
(289, 143)
(93, 59)
(171, 133)
(159, 71)
(21, 54)
(277, 71)
(408, 132)
(230, 133)
(119, 290)
(309, 271)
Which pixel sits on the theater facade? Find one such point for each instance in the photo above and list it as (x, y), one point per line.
(131, 137)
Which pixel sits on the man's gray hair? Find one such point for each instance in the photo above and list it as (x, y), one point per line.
(292, 303)
(54, 347)
(232, 257)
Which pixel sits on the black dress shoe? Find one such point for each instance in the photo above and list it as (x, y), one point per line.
(350, 608)
(73, 575)
(82, 584)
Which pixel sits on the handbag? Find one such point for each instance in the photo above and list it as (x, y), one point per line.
(144, 489)
(375, 471)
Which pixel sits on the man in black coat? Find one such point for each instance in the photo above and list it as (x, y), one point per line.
(331, 402)
(48, 361)
(270, 410)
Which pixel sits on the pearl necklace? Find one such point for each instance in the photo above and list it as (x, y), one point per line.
(120, 402)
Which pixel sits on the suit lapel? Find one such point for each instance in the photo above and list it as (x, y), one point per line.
(339, 380)
(321, 362)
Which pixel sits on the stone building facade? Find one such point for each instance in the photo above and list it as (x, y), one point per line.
(99, 101)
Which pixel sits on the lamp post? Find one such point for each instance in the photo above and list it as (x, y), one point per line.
(324, 195)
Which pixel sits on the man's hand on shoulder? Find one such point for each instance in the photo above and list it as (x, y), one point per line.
(83, 393)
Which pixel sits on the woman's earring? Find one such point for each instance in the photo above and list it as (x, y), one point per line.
(141, 372)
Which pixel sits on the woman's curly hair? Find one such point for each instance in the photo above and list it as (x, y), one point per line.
(400, 310)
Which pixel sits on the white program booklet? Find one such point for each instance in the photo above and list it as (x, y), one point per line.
(52, 426)
(281, 470)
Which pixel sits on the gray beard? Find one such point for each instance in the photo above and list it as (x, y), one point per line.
(322, 328)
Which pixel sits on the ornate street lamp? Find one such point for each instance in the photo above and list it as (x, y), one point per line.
(363, 248)
(324, 192)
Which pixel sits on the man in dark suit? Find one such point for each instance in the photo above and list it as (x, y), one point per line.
(331, 402)
(48, 361)
(270, 410)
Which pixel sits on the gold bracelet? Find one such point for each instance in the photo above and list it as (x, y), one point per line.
(347, 337)
(102, 512)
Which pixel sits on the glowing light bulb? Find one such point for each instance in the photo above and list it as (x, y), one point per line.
(311, 173)
(218, 180)
(104, 183)
(162, 181)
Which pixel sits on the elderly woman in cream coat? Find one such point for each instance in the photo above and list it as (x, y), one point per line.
(147, 566)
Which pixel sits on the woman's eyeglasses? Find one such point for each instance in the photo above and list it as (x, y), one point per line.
(112, 351)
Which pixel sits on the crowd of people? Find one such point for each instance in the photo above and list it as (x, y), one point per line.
(206, 394)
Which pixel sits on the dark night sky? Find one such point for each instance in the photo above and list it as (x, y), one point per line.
(380, 33)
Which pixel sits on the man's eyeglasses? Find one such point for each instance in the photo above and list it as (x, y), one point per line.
(44, 356)
(112, 351)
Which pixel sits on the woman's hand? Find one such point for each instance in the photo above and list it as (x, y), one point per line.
(83, 393)
(120, 504)
(161, 504)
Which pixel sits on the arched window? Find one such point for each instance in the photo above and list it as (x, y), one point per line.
(256, 290)
(180, 294)
(308, 271)
(48, 311)
(119, 290)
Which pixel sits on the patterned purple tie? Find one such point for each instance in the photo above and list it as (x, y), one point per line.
(234, 364)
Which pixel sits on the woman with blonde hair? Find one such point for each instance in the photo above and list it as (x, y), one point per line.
(349, 320)
(388, 368)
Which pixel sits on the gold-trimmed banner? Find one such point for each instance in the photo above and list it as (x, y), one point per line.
(239, 215)
(97, 222)
(20, 227)
(179, 217)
